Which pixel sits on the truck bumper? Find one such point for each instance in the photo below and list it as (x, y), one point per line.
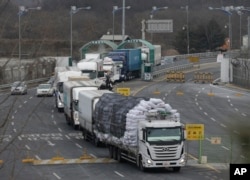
(149, 163)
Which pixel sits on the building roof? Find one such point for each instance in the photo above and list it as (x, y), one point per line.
(116, 37)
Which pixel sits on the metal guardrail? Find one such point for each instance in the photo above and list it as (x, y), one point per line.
(30, 82)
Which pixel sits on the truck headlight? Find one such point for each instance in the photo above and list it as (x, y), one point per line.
(149, 161)
(60, 104)
(76, 117)
(183, 159)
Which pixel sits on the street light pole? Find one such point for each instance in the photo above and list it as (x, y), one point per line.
(187, 11)
(74, 10)
(154, 10)
(123, 20)
(227, 10)
(21, 11)
(115, 8)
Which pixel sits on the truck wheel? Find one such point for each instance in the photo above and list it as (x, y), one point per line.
(111, 152)
(141, 167)
(176, 169)
(114, 153)
(119, 155)
(96, 142)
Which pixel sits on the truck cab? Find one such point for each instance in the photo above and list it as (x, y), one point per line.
(161, 144)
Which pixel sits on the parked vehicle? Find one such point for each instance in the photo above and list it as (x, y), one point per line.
(144, 131)
(44, 90)
(131, 62)
(71, 91)
(18, 87)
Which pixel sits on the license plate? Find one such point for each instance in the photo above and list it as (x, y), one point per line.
(165, 163)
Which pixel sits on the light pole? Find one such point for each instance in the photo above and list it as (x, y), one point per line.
(74, 10)
(115, 8)
(22, 10)
(153, 11)
(187, 11)
(227, 10)
(239, 10)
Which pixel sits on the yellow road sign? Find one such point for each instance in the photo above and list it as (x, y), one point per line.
(194, 59)
(195, 131)
(123, 91)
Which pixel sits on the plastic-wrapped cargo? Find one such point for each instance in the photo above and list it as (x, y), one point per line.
(117, 116)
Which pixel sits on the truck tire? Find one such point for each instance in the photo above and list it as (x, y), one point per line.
(141, 167)
(119, 155)
(176, 169)
(111, 152)
(114, 153)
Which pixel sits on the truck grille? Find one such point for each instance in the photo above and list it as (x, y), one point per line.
(165, 152)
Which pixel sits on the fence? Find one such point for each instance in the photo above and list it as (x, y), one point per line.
(221, 149)
(241, 72)
(37, 70)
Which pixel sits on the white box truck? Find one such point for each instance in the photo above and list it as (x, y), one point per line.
(144, 131)
(71, 91)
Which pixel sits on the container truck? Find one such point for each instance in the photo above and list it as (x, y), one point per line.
(86, 108)
(131, 62)
(144, 131)
(114, 68)
(71, 91)
(93, 69)
(60, 78)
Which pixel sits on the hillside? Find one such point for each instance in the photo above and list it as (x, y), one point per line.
(47, 32)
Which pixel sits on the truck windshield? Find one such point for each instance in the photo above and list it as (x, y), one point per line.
(163, 135)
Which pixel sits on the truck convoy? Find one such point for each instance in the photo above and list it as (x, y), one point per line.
(71, 91)
(144, 131)
(131, 62)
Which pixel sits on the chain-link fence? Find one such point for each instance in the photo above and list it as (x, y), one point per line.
(241, 72)
(27, 72)
(222, 149)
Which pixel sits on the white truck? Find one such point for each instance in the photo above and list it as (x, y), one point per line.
(113, 67)
(86, 108)
(71, 91)
(144, 131)
(61, 77)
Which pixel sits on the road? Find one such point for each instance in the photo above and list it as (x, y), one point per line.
(31, 127)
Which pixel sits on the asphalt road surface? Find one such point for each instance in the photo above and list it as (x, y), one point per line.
(31, 128)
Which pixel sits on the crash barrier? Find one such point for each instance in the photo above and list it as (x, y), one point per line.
(175, 76)
(162, 72)
(203, 77)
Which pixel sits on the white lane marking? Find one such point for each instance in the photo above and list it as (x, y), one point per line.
(225, 148)
(50, 143)
(223, 125)
(236, 109)
(236, 132)
(13, 117)
(54, 122)
(78, 145)
(37, 157)
(20, 106)
(59, 129)
(93, 155)
(19, 137)
(197, 103)
(12, 123)
(15, 111)
(25, 102)
(205, 113)
(27, 147)
(30, 97)
(52, 110)
(231, 104)
(14, 130)
(243, 157)
(119, 174)
(58, 177)
(67, 136)
(213, 119)
(200, 108)
(243, 114)
(52, 116)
